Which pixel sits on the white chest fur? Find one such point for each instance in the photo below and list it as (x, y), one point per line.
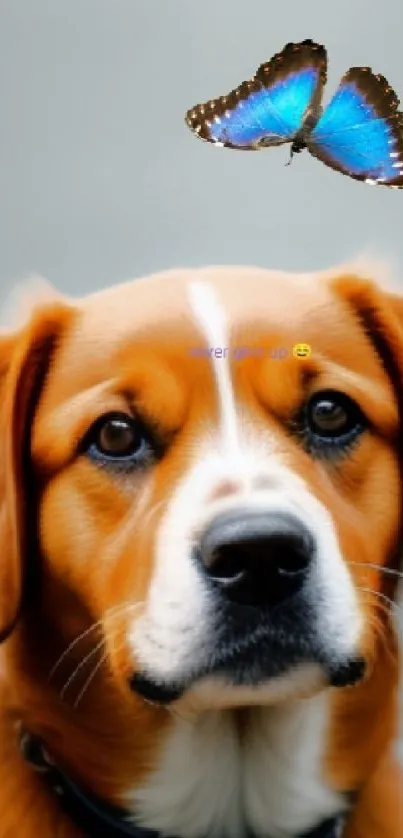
(222, 779)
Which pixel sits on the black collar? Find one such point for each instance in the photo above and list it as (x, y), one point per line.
(97, 818)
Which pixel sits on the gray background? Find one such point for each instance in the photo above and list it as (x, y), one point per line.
(100, 179)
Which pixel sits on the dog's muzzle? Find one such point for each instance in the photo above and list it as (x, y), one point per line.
(259, 569)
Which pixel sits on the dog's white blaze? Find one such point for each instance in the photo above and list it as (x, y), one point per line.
(211, 318)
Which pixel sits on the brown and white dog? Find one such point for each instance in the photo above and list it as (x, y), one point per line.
(200, 542)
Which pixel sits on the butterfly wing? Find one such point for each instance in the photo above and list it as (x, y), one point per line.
(270, 108)
(360, 132)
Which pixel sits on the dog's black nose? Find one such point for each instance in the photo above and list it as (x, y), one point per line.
(256, 558)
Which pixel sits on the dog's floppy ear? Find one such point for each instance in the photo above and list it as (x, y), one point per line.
(24, 358)
(380, 313)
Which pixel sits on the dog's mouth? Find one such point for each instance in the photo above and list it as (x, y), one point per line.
(153, 691)
(348, 674)
(253, 661)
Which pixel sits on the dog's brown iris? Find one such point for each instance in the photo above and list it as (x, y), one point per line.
(329, 417)
(118, 437)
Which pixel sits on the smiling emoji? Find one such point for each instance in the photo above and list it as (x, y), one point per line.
(301, 350)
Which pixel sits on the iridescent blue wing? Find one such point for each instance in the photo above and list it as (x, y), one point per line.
(360, 132)
(269, 109)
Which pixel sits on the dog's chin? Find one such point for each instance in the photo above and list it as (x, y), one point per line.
(243, 683)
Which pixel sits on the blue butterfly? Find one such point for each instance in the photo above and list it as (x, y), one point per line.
(359, 133)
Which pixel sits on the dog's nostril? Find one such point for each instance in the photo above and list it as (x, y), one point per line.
(231, 561)
(256, 558)
(225, 565)
(295, 558)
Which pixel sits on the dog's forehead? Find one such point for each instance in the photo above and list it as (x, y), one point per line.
(247, 296)
(160, 312)
(144, 331)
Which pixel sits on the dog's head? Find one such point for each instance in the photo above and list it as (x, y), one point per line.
(229, 521)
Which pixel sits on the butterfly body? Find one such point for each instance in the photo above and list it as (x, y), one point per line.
(359, 133)
(301, 139)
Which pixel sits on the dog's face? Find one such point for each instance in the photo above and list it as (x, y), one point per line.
(228, 520)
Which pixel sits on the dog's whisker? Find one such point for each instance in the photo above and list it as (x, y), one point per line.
(386, 570)
(80, 666)
(382, 639)
(380, 596)
(90, 679)
(117, 610)
(72, 646)
(378, 625)
(388, 604)
(93, 673)
(111, 613)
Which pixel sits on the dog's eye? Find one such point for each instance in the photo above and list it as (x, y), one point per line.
(328, 416)
(117, 438)
(331, 419)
